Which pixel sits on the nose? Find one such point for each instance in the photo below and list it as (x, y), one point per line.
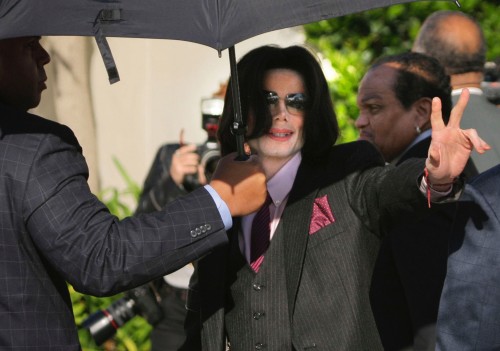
(281, 111)
(361, 121)
(43, 56)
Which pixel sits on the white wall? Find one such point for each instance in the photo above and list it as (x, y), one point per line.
(162, 84)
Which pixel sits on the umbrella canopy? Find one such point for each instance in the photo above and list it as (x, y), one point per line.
(216, 23)
(219, 24)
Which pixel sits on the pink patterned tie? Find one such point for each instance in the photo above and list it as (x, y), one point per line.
(260, 238)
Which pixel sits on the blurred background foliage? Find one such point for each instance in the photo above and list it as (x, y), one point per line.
(349, 44)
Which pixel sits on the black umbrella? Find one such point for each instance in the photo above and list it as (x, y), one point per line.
(219, 24)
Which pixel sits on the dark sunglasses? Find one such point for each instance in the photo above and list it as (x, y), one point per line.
(295, 103)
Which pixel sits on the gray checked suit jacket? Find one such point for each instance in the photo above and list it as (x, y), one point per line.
(53, 230)
(483, 116)
(328, 273)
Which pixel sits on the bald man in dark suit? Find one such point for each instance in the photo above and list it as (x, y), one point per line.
(457, 41)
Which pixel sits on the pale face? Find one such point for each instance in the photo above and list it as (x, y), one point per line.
(22, 76)
(285, 137)
(382, 118)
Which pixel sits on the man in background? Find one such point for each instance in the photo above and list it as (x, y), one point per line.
(394, 99)
(457, 41)
(178, 169)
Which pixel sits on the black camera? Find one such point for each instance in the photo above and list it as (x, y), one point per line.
(209, 151)
(143, 300)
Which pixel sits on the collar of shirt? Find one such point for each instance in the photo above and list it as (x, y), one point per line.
(472, 90)
(279, 187)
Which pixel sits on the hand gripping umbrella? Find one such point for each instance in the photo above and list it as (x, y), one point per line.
(219, 24)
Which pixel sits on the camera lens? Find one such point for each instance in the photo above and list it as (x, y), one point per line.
(103, 324)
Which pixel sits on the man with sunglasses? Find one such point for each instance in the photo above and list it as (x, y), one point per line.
(296, 274)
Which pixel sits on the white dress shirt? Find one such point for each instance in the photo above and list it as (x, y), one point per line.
(279, 187)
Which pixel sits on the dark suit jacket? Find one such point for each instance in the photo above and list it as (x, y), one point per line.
(54, 230)
(469, 312)
(159, 188)
(485, 118)
(409, 273)
(328, 273)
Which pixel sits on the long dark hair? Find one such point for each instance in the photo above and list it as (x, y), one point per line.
(320, 123)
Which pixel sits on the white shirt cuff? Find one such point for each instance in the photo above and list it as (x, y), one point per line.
(224, 212)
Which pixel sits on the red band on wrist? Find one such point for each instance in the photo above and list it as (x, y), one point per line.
(428, 190)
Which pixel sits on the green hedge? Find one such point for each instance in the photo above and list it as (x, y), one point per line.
(351, 43)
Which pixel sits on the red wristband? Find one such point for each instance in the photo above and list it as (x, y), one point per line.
(428, 190)
(430, 186)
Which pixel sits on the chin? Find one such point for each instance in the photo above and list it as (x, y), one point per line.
(31, 104)
(288, 153)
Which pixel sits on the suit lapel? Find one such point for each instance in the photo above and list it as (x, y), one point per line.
(294, 224)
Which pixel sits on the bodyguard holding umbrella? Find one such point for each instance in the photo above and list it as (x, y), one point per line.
(53, 230)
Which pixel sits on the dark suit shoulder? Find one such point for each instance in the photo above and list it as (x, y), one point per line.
(165, 153)
(339, 162)
(357, 155)
(19, 122)
(162, 161)
(419, 150)
(159, 188)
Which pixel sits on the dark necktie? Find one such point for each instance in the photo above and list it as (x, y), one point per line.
(260, 238)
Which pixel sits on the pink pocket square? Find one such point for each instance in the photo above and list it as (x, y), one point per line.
(321, 215)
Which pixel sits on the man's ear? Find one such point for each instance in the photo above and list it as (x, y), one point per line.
(423, 109)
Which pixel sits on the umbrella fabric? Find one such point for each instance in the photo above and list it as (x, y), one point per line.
(219, 24)
(215, 23)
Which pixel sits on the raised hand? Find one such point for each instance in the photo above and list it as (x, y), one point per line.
(451, 146)
(184, 161)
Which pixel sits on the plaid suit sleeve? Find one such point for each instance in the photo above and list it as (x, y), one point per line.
(92, 249)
